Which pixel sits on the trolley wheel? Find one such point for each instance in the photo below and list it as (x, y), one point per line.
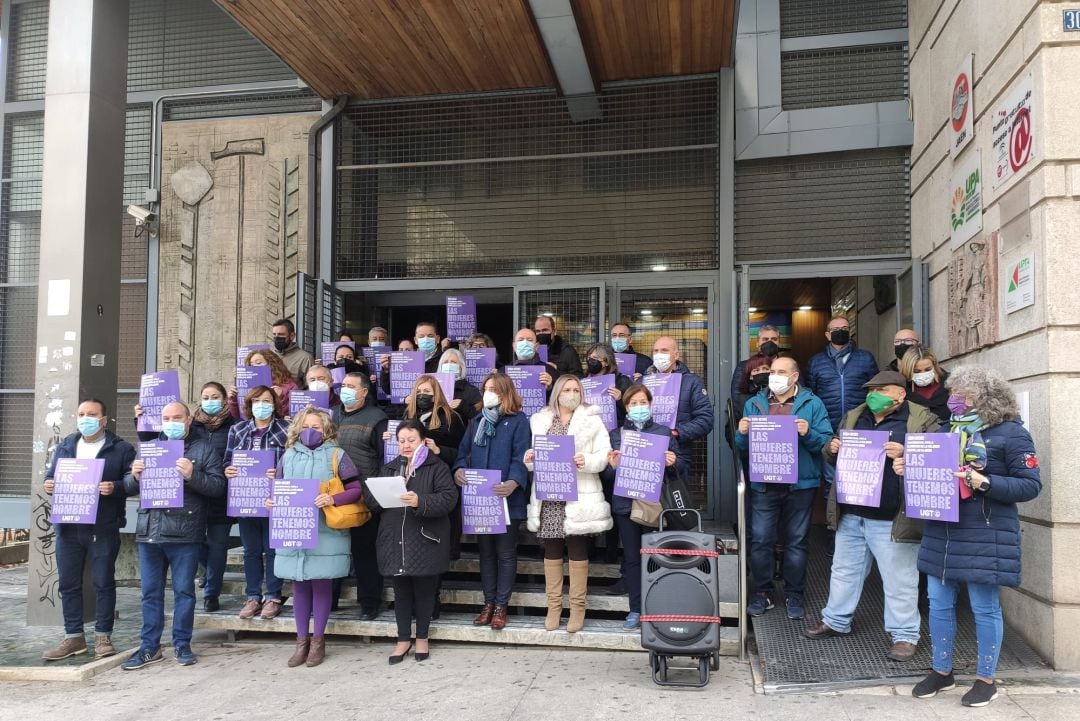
(714, 662)
(653, 661)
(662, 666)
(703, 670)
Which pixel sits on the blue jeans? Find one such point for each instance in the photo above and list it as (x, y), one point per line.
(630, 534)
(214, 556)
(155, 559)
(498, 564)
(75, 545)
(989, 626)
(255, 536)
(781, 506)
(857, 540)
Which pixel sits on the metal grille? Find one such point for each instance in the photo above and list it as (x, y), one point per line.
(575, 312)
(823, 206)
(287, 101)
(16, 463)
(332, 314)
(132, 334)
(800, 18)
(501, 184)
(307, 311)
(28, 42)
(122, 415)
(18, 326)
(137, 131)
(20, 206)
(843, 76)
(188, 43)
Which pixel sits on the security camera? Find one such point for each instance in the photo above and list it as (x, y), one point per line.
(140, 214)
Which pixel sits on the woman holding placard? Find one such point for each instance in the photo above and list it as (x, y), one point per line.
(998, 468)
(567, 524)
(281, 380)
(496, 440)
(312, 452)
(265, 430)
(443, 426)
(635, 518)
(466, 401)
(413, 547)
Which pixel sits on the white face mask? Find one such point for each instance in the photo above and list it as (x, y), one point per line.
(779, 384)
(662, 361)
(570, 400)
(491, 399)
(923, 379)
(318, 386)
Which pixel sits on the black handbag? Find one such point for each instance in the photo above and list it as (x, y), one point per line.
(675, 496)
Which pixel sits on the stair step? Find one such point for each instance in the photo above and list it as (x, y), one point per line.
(520, 630)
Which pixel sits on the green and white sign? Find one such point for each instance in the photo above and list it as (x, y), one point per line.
(1020, 283)
(965, 200)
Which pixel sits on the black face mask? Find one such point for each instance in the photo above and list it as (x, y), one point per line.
(543, 338)
(900, 349)
(761, 380)
(281, 344)
(769, 349)
(594, 366)
(424, 402)
(840, 337)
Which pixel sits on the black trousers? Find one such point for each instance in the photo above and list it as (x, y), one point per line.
(414, 597)
(369, 583)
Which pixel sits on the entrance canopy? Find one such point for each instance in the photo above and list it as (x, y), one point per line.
(383, 48)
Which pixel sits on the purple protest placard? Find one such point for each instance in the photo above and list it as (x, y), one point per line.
(665, 389)
(446, 382)
(554, 472)
(460, 317)
(75, 493)
(156, 390)
(250, 487)
(294, 519)
(482, 512)
(161, 485)
(930, 488)
(542, 351)
(299, 400)
(391, 450)
(374, 358)
(774, 449)
(405, 368)
(860, 465)
(338, 376)
(479, 362)
(248, 377)
(526, 380)
(640, 473)
(627, 363)
(328, 350)
(242, 352)
(596, 392)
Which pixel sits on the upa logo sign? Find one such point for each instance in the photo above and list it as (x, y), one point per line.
(1014, 133)
(965, 202)
(961, 112)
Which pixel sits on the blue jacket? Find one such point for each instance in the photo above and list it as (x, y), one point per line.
(984, 546)
(840, 392)
(118, 455)
(694, 419)
(808, 407)
(505, 451)
(621, 506)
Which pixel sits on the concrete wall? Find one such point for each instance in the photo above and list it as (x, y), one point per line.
(1037, 211)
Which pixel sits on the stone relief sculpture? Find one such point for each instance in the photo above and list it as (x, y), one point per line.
(973, 295)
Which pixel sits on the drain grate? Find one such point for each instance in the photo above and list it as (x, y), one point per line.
(791, 662)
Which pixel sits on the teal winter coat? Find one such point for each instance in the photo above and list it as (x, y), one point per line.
(808, 407)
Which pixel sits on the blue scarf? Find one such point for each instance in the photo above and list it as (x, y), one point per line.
(839, 357)
(489, 418)
(972, 447)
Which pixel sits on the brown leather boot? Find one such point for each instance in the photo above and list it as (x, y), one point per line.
(303, 643)
(66, 649)
(579, 593)
(498, 619)
(553, 582)
(484, 617)
(318, 651)
(103, 646)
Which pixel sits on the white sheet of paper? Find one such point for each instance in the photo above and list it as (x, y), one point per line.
(506, 511)
(387, 490)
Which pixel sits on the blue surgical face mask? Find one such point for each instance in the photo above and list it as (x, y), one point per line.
(88, 426)
(619, 345)
(639, 414)
(212, 407)
(262, 410)
(174, 430)
(451, 368)
(427, 345)
(524, 349)
(348, 396)
(377, 344)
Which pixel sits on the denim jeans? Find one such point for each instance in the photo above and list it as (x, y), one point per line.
(369, 582)
(258, 559)
(214, 556)
(781, 506)
(857, 539)
(155, 559)
(989, 626)
(75, 546)
(498, 564)
(630, 534)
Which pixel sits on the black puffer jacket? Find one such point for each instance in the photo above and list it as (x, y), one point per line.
(416, 541)
(218, 439)
(187, 524)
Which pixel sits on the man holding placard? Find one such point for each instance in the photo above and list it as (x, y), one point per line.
(784, 429)
(693, 412)
(866, 508)
(169, 536)
(85, 479)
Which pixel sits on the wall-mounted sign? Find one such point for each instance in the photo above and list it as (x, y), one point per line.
(1070, 20)
(1014, 133)
(965, 200)
(1020, 283)
(961, 110)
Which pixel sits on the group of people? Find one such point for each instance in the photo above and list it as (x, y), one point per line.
(997, 468)
(438, 438)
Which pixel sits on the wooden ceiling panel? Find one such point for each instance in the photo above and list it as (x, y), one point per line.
(383, 48)
(630, 39)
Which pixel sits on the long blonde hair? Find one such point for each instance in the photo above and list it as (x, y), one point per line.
(440, 412)
(328, 428)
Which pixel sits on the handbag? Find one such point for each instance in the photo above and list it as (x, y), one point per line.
(645, 513)
(675, 496)
(347, 515)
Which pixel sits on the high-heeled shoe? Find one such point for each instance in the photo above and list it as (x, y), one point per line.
(422, 655)
(398, 659)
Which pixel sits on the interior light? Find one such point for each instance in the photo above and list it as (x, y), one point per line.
(697, 311)
(659, 268)
(752, 309)
(806, 307)
(646, 312)
(532, 271)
